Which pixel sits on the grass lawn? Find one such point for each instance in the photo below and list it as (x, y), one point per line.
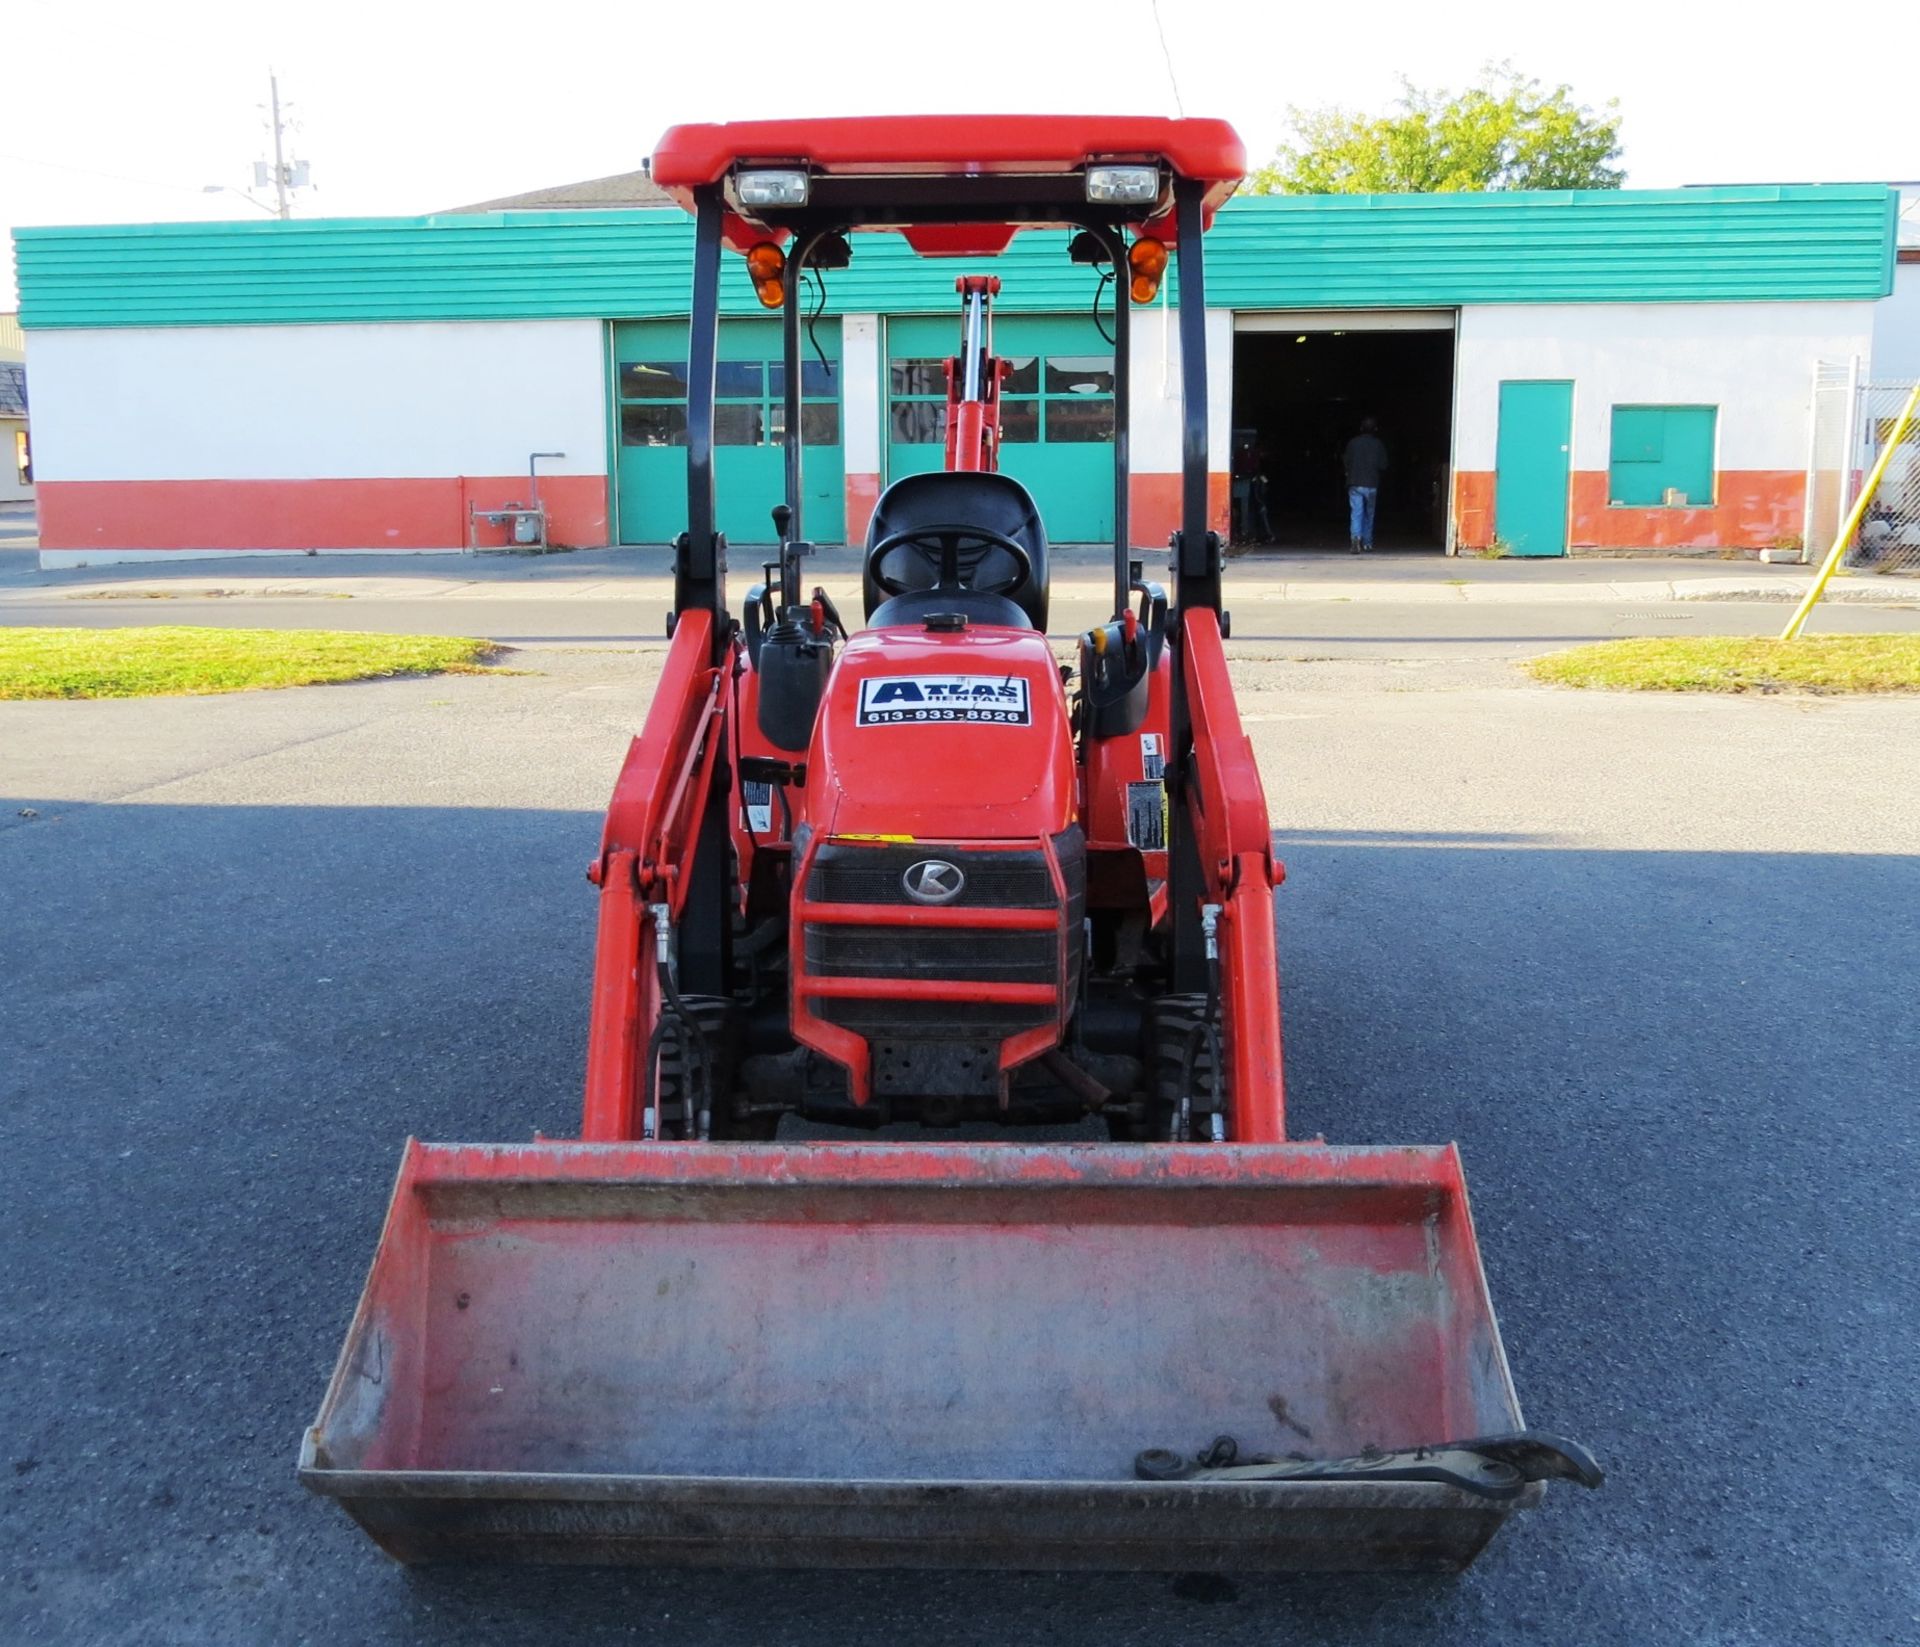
(165, 662)
(1726, 663)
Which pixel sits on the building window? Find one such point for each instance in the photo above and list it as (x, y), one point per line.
(749, 403)
(653, 425)
(917, 392)
(1662, 456)
(1063, 399)
(22, 457)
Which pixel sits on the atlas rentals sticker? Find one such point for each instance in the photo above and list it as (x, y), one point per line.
(907, 700)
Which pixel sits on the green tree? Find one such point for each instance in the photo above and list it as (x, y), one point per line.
(1507, 132)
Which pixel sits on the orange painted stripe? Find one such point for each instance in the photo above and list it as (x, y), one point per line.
(1473, 508)
(1755, 509)
(1153, 506)
(399, 514)
(863, 492)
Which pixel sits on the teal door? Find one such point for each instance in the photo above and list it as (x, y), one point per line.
(1056, 412)
(650, 424)
(1533, 467)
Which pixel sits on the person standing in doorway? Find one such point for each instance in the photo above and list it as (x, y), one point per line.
(1259, 524)
(1365, 461)
(1246, 471)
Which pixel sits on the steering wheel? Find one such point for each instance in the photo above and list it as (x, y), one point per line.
(939, 547)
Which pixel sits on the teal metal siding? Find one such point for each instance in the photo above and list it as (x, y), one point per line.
(1384, 251)
(1600, 246)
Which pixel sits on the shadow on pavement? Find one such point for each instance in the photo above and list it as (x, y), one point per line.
(1682, 1083)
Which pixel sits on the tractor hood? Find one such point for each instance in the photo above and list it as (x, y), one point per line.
(943, 736)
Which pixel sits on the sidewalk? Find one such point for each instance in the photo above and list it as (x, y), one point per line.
(596, 574)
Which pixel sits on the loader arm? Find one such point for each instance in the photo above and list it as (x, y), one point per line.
(1226, 809)
(648, 852)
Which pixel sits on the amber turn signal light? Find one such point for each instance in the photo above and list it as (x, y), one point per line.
(767, 264)
(1147, 261)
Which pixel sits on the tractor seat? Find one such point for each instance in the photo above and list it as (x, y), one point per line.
(945, 498)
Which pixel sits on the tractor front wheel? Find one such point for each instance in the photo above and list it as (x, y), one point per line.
(676, 1086)
(1182, 1060)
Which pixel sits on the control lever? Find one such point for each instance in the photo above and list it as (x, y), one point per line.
(1117, 660)
(792, 650)
(790, 553)
(1496, 1466)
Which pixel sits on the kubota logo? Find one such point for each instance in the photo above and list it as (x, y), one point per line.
(933, 881)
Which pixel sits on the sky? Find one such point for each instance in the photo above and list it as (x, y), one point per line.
(124, 113)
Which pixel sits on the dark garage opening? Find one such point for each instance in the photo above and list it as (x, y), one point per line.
(1300, 396)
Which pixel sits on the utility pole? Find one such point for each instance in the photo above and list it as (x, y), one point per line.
(287, 175)
(279, 159)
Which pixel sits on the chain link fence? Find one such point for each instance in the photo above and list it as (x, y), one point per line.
(1889, 535)
(1852, 420)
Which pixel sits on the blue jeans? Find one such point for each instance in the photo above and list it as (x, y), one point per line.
(1360, 506)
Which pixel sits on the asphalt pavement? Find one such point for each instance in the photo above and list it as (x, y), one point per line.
(1653, 961)
(18, 533)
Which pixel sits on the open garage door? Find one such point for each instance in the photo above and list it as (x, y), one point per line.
(1302, 383)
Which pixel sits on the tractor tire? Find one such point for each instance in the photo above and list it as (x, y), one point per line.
(717, 1022)
(1170, 1023)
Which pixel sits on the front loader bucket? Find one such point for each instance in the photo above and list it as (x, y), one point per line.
(929, 1355)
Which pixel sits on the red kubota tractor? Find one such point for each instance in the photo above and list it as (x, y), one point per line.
(919, 872)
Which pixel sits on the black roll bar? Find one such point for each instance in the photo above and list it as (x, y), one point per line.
(1196, 581)
(1196, 559)
(700, 560)
(1114, 243)
(793, 279)
(700, 568)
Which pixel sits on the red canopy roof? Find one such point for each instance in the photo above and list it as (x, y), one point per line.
(951, 145)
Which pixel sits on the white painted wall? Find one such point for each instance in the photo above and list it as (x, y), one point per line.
(1156, 390)
(1754, 361)
(1896, 329)
(319, 402)
(861, 393)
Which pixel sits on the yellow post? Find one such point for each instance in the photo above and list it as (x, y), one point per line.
(1852, 523)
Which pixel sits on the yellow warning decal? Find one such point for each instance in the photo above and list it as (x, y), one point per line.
(880, 840)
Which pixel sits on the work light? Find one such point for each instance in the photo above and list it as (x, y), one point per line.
(1123, 185)
(781, 188)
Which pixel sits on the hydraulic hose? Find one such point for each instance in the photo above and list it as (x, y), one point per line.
(696, 1060)
(1206, 1029)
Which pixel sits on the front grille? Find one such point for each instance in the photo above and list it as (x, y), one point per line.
(937, 952)
(872, 875)
(997, 879)
(933, 1020)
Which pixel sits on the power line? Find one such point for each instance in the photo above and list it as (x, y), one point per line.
(1179, 108)
(94, 171)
